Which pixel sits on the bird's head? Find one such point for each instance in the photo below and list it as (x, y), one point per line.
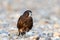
(28, 13)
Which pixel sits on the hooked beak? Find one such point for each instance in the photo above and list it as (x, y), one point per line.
(30, 13)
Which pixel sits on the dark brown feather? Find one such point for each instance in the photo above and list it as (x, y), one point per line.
(25, 23)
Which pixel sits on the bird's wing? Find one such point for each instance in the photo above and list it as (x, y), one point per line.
(20, 22)
(28, 23)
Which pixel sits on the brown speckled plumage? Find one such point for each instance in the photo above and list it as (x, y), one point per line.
(25, 23)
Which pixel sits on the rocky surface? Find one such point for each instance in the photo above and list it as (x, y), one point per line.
(46, 17)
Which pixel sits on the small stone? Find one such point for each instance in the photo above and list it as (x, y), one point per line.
(50, 34)
(48, 38)
(35, 38)
(56, 34)
(56, 26)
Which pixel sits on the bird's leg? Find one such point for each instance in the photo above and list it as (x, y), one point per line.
(22, 34)
(25, 35)
(19, 32)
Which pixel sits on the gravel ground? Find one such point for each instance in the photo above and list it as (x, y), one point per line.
(46, 19)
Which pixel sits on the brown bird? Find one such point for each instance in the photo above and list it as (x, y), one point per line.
(25, 22)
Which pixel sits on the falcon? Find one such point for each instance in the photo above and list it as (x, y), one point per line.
(25, 22)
